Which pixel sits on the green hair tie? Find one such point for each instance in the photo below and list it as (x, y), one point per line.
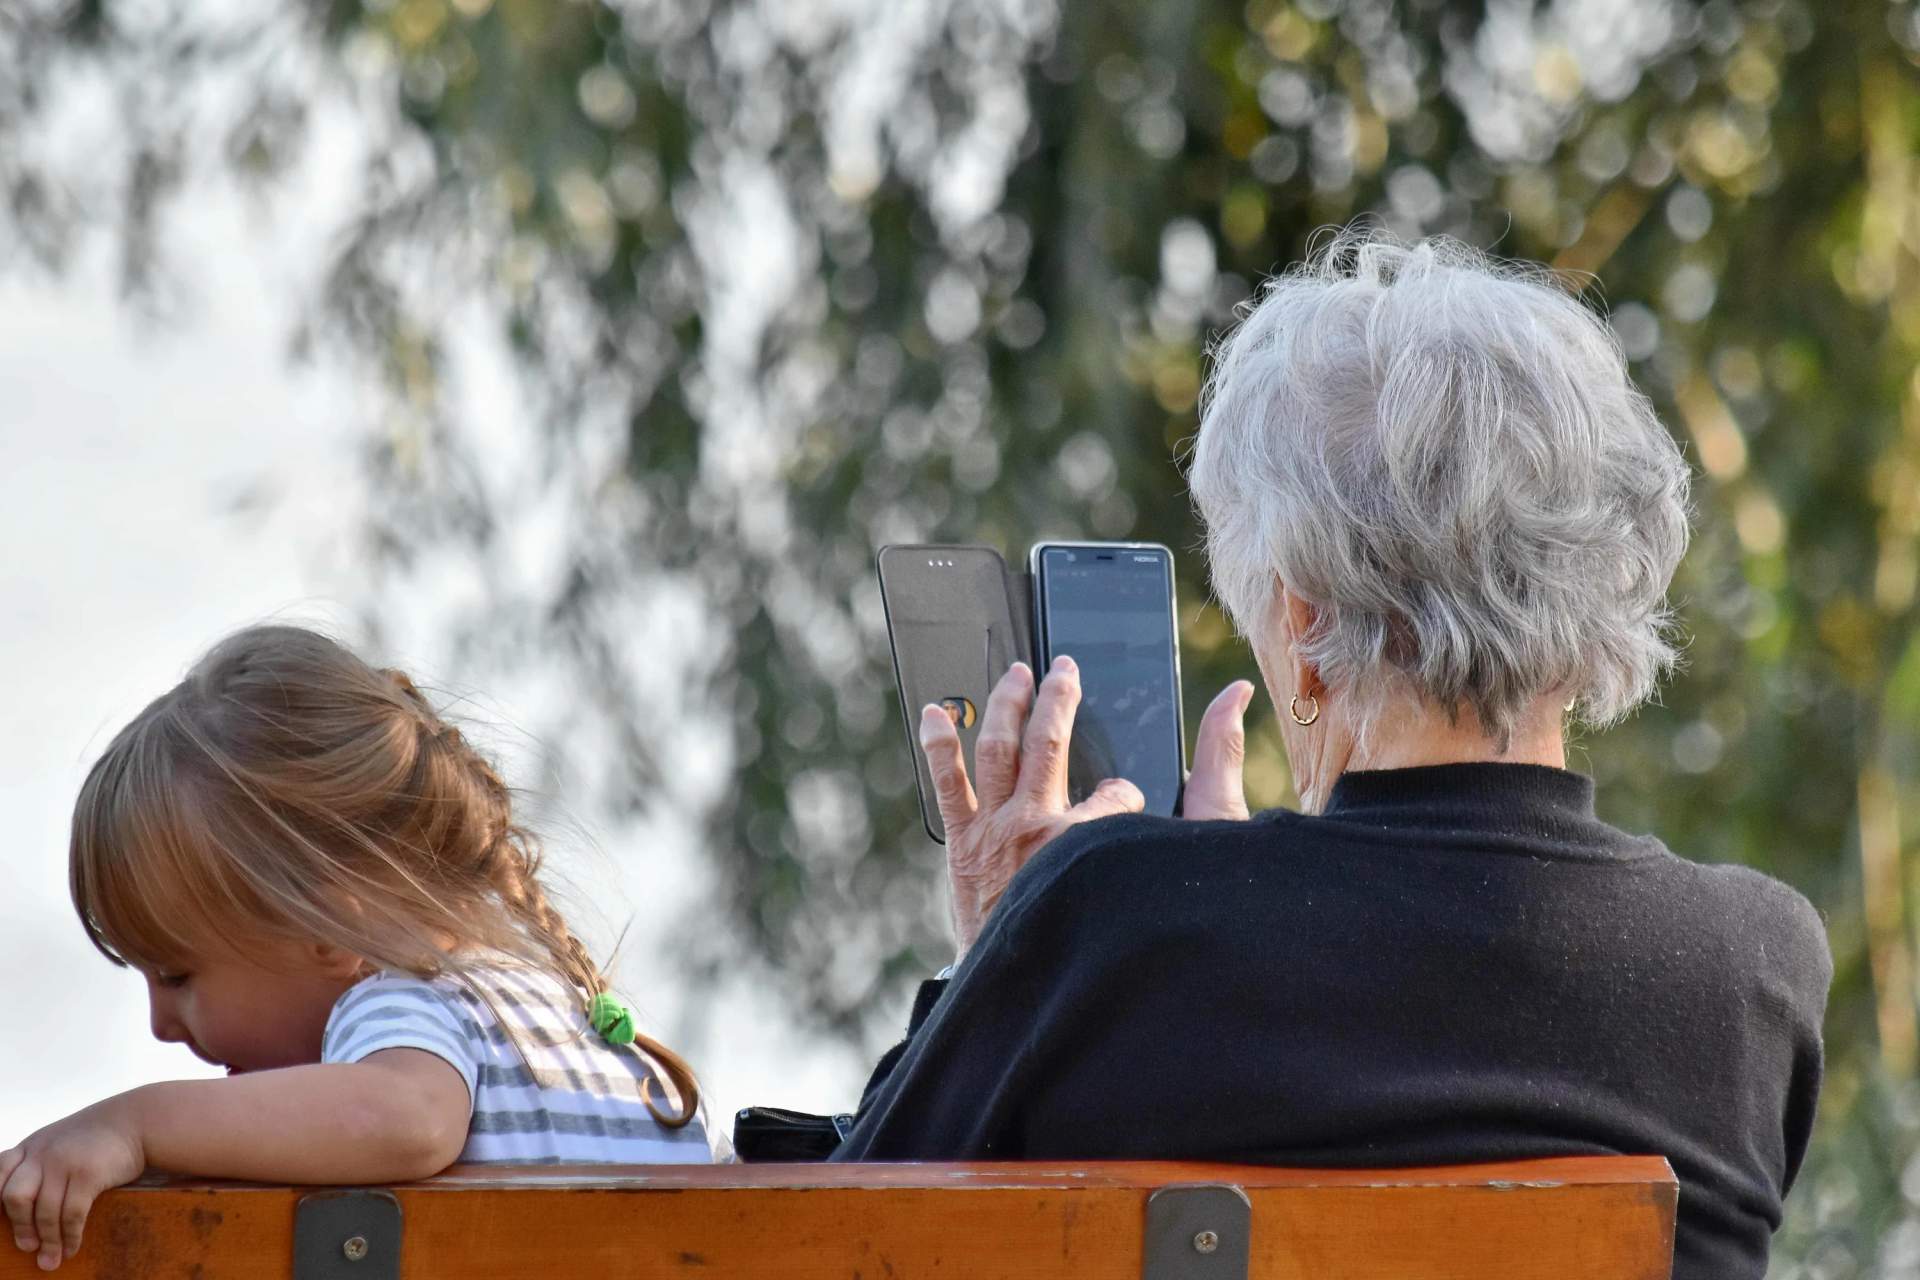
(610, 1018)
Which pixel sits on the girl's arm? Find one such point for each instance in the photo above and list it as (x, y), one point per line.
(398, 1115)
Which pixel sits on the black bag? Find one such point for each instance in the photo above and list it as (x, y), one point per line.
(768, 1135)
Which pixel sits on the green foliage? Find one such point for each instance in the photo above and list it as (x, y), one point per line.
(1020, 353)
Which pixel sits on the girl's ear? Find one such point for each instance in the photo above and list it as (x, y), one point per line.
(333, 962)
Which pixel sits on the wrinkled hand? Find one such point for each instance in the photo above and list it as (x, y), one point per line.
(50, 1181)
(1021, 802)
(1216, 789)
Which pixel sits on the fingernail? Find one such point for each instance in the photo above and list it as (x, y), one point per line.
(1022, 669)
(1063, 664)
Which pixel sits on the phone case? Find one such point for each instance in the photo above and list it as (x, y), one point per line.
(957, 618)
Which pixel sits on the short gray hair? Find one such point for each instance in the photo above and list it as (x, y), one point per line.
(1444, 453)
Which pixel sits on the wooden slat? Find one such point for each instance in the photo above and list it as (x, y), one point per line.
(1595, 1218)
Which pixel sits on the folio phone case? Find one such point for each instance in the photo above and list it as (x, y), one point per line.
(958, 618)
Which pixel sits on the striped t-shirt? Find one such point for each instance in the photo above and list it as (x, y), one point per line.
(561, 1095)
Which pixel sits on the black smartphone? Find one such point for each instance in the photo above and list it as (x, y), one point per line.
(1110, 607)
(957, 620)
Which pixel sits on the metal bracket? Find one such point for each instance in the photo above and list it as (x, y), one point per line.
(1197, 1233)
(346, 1235)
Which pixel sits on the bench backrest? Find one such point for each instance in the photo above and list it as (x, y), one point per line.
(1605, 1218)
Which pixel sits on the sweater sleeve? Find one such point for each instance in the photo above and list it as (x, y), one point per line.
(924, 1001)
(1810, 974)
(956, 1088)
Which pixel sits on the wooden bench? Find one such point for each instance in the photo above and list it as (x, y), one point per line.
(1569, 1219)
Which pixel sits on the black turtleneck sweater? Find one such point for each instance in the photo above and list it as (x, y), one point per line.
(1451, 965)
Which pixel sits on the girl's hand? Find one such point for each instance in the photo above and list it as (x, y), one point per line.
(50, 1181)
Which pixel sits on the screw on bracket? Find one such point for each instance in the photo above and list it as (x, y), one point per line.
(1197, 1233)
(346, 1235)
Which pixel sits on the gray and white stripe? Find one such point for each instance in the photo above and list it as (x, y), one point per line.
(551, 1092)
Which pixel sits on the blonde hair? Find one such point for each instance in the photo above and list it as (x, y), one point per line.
(286, 790)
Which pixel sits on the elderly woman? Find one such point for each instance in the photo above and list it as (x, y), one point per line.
(1444, 519)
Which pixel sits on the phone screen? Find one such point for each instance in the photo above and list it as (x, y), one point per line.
(1110, 609)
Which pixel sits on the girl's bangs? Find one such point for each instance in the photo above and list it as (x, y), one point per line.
(146, 879)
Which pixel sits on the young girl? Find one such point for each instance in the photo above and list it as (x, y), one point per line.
(328, 895)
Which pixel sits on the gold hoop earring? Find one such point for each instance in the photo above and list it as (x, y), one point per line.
(1293, 709)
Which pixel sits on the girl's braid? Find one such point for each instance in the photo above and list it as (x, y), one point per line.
(508, 855)
(509, 859)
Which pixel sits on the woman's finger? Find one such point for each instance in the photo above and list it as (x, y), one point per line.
(1115, 795)
(1043, 751)
(996, 752)
(1216, 789)
(952, 792)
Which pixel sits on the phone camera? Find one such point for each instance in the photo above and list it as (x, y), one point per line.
(961, 711)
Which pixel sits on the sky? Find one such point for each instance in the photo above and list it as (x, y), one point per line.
(122, 452)
(161, 484)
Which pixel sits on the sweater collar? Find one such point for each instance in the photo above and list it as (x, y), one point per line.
(1520, 799)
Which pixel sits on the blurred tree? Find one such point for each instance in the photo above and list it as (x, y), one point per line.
(790, 281)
